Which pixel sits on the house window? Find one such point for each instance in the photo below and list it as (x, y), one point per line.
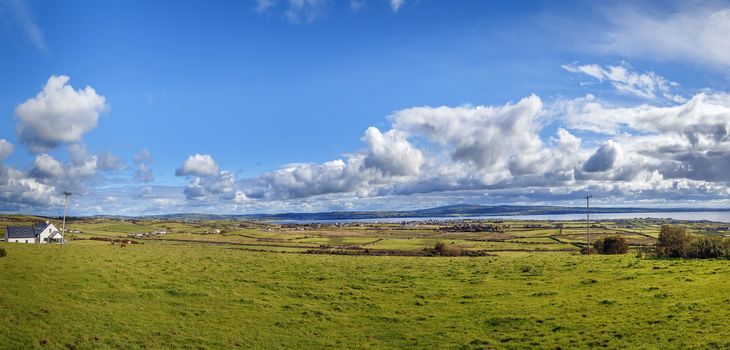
(26, 241)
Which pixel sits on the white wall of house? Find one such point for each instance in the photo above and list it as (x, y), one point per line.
(43, 236)
(20, 240)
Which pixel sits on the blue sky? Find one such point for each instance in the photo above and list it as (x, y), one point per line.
(267, 106)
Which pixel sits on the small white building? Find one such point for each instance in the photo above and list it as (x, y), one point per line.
(44, 232)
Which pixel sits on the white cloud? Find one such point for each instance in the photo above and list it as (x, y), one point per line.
(695, 33)
(70, 176)
(109, 162)
(470, 148)
(680, 151)
(143, 155)
(264, 5)
(391, 153)
(305, 180)
(395, 5)
(295, 11)
(20, 17)
(198, 165)
(143, 173)
(308, 11)
(58, 114)
(356, 5)
(6, 149)
(701, 120)
(46, 166)
(213, 187)
(605, 157)
(645, 85)
(485, 136)
(19, 192)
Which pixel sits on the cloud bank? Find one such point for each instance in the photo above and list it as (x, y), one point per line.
(650, 150)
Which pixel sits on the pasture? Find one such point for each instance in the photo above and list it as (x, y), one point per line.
(251, 287)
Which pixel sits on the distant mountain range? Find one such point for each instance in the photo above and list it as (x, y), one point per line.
(457, 210)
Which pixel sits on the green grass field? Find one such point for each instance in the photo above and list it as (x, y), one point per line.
(89, 295)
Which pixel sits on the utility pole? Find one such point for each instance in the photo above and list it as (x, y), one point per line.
(588, 221)
(63, 225)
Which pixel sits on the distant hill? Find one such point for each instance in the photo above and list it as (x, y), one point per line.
(445, 211)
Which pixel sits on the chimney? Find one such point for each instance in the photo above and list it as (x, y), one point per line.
(47, 222)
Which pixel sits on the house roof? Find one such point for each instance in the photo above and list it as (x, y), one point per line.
(20, 232)
(26, 231)
(39, 227)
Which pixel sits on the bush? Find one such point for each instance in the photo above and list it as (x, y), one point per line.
(444, 249)
(611, 245)
(3, 252)
(709, 248)
(588, 250)
(674, 242)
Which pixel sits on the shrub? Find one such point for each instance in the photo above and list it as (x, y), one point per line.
(611, 245)
(674, 242)
(588, 250)
(3, 252)
(708, 248)
(444, 249)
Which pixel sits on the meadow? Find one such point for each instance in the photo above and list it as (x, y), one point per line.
(177, 292)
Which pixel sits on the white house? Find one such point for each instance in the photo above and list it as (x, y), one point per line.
(44, 232)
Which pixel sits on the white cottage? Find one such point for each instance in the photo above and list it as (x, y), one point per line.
(44, 232)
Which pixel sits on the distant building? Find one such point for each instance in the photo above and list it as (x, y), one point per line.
(44, 232)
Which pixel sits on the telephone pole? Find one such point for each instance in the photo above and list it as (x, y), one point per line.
(63, 225)
(588, 221)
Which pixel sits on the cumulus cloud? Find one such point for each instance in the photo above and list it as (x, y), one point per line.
(143, 172)
(143, 155)
(604, 158)
(216, 187)
(640, 151)
(469, 147)
(109, 162)
(391, 153)
(305, 180)
(19, 192)
(6, 149)
(70, 176)
(207, 182)
(645, 85)
(701, 120)
(198, 165)
(47, 167)
(58, 115)
(484, 135)
(693, 33)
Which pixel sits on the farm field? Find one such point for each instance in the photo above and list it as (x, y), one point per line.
(489, 237)
(252, 286)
